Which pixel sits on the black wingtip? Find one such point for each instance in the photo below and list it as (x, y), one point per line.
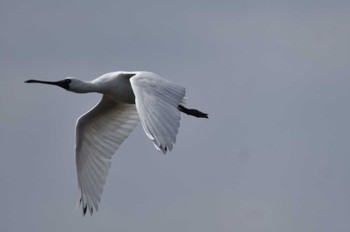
(85, 207)
(84, 210)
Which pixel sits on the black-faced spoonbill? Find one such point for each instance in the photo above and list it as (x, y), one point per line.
(128, 97)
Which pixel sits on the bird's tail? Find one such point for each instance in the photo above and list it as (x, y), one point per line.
(192, 112)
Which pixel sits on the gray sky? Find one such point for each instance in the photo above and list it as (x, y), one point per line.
(273, 76)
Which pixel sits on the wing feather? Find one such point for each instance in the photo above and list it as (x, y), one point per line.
(157, 103)
(99, 134)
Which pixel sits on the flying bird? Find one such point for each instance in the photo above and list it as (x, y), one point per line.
(127, 98)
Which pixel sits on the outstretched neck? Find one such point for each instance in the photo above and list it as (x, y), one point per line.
(80, 86)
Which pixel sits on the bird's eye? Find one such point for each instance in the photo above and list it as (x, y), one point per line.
(68, 81)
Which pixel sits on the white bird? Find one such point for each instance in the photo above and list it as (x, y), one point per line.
(128, 97)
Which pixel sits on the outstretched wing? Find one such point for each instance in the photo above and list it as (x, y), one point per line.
(157, 102)
(99, 133)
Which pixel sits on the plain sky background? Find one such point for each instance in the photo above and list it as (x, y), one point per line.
(273, 76)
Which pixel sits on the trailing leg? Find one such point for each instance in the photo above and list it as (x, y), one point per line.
(192, 112)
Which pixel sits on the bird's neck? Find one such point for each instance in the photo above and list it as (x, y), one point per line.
(83, 87)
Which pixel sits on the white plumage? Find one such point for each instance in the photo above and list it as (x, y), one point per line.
(128, 97)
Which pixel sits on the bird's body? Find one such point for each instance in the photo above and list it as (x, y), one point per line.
(128, 97)
(116, 85)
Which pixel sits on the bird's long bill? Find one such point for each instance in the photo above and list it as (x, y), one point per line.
(62, 83)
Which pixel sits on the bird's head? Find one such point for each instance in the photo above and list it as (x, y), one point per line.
(63, 83)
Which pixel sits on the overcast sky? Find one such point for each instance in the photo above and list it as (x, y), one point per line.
(273, 76)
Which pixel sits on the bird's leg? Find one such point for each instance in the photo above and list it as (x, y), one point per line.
(192, 112)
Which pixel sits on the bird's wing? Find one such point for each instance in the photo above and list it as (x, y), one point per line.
(157, 102)
(99, 133)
